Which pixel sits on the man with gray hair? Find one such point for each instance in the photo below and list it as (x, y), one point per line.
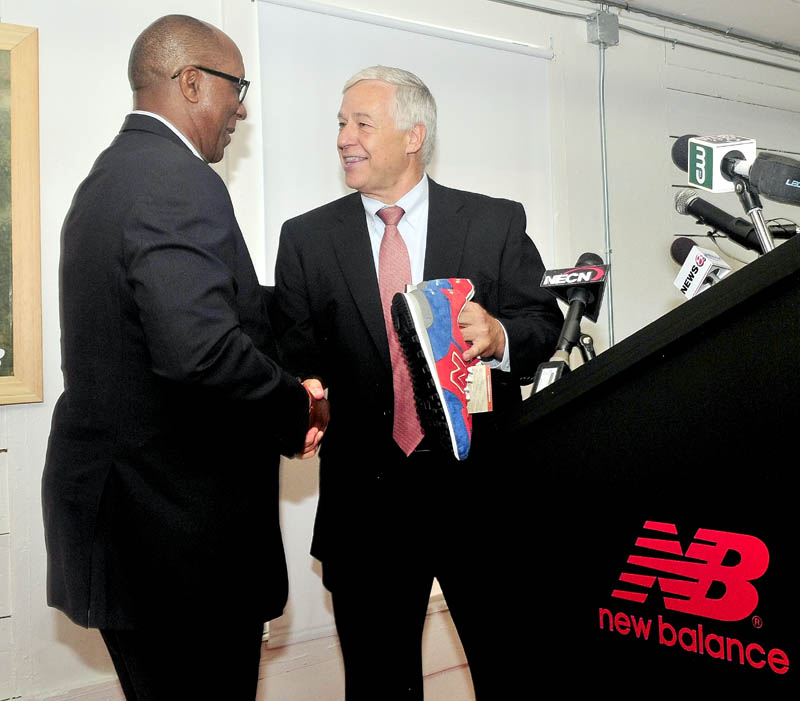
(394, 510)
(160, 490)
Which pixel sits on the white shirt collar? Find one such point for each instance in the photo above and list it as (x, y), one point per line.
(412, 203)
(169, 124)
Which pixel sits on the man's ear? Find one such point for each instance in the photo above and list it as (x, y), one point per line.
(189, 81)
(416, 138)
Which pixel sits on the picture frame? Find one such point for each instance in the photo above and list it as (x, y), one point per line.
(20, 228)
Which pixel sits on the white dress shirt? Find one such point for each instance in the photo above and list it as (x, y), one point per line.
(413, 227)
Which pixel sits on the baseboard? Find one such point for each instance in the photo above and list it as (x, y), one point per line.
(103, 691)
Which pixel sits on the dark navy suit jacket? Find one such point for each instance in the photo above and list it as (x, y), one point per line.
(161, 484)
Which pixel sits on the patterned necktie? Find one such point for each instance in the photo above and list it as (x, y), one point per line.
(394, 273)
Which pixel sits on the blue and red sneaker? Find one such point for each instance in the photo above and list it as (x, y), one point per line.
(426, 319)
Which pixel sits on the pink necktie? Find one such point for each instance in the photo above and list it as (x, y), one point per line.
(394, 273)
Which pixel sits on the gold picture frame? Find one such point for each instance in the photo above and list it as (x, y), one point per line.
(20, 283)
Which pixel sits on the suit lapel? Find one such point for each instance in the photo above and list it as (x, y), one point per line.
(354, 255)
(448, 225)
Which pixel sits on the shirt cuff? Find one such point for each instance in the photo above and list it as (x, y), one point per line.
(504, 364)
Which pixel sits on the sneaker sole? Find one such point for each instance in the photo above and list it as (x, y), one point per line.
(428, 391)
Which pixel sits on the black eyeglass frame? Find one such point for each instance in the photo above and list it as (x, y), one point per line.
(240, 82)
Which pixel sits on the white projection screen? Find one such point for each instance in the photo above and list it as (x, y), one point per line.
(493, 129)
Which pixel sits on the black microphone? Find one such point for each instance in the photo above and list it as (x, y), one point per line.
(680, 151)
(581, 287)
(775, 177)
(679, 250)
(737, 229)
(578, 297)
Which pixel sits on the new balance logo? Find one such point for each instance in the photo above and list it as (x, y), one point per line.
(713, 577)
(460, 373)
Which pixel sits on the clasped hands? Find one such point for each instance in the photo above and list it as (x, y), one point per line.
(319, 414)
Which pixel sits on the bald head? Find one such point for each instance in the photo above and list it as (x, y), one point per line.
(190, 73)
(169, 44)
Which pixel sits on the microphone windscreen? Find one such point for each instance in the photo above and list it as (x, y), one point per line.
(588, 259)
(680, 151)
(680, 249)
(776, 177)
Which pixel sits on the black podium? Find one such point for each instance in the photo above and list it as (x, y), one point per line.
(660, 499)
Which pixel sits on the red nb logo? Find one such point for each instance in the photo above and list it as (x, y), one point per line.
(460, 373)
(715, 574)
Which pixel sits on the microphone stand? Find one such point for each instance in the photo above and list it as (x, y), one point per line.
(751, 203)
(547, 373)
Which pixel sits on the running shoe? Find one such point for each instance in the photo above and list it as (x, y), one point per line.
(426, 319)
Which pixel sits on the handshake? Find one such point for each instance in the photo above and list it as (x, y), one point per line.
(319, 413)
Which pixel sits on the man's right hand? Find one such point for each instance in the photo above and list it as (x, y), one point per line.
(318, 416)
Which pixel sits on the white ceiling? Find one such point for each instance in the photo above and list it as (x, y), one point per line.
(769, 20)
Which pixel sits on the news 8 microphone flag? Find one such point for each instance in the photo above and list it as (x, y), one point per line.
(700, 268)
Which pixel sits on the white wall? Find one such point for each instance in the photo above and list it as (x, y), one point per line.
(654, 91)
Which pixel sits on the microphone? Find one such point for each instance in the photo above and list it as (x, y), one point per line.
(581, 287)
(680, 152)
(700, 268)
(713, 161)
(737, 229)
(775, 177)
(589, 272)
(579, 297)
(702, 158)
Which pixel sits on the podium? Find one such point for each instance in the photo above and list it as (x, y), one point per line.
(660, 503)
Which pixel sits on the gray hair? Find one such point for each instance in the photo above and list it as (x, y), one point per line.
(413, 103)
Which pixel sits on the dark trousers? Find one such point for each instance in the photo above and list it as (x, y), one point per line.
(193, 662)
(431, 520)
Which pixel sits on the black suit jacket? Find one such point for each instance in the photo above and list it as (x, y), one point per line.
(161, 483)
(332, 326)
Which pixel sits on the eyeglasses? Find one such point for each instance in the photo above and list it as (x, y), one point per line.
(241, 83)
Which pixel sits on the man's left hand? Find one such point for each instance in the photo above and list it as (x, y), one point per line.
(483, 331)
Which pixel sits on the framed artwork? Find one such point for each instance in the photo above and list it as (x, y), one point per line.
(20, 243)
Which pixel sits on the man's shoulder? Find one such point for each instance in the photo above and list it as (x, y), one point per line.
(148, 147)
(442, 194)
(150, 160)
(327, 215)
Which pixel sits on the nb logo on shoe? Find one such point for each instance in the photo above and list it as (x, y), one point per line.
(460, 373)
(713, 578)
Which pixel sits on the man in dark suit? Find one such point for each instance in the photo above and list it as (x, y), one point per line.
(389, 520)
(160, 489)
